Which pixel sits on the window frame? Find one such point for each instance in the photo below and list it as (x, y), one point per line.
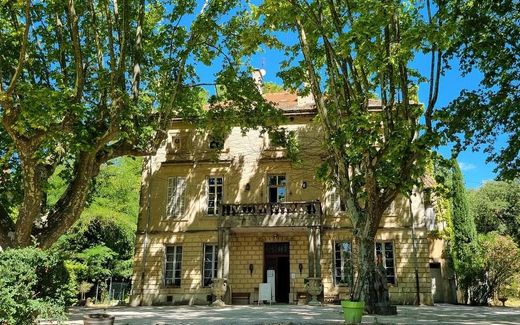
(387, 259)
(173, 281)
(343, 262)
(217, 208)
(269, 186)
(335, 203)
(214, 264)
(175, 210)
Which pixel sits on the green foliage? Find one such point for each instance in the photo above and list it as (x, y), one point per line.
(101, 244)
(463, 222)
(465, 254)
(271, 87)
(34, 284)
(345, 54)
(99, 261)
(497, 262)
(486, 38)
(496, 207)
(442, 196)
(97, 82)
(287, 139)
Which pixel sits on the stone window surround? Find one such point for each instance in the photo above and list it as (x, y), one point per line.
(174, 266)
(384, 250)
(214, 266)
(335, 260)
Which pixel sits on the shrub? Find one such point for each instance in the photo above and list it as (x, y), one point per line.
(33, 284)
(498, 264)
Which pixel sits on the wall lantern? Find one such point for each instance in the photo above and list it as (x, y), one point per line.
(251, 268)
(304, 184)
(248, 187)
(300, 266)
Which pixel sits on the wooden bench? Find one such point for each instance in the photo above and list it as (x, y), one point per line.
(240, 298)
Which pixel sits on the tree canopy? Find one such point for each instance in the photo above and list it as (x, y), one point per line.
(84, 82)
(486, 40)
(354, 58)
(496, 207)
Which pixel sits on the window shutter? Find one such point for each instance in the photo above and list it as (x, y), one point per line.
(176, 196)
(179, 196)
(172, 184)
(335, 201)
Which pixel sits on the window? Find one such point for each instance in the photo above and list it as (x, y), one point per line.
(277, 188)
(209, 271)
(335, 201)
(173, 266)
(176, 196)
(386, 249)
(215, 194)
(342, 263)
(278, 138)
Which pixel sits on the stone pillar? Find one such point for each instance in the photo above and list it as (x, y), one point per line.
(314, 235)
(317, 242)
(312, 252)
(223, 253)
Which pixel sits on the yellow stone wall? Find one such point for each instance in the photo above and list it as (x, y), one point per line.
(247, 248)
(248, 159)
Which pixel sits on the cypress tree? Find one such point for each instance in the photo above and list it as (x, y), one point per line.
(463, 222)
(465, 247)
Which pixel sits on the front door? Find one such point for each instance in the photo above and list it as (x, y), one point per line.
(276, 257)
(437, 284)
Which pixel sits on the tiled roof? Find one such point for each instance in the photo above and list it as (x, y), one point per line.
(288, 101)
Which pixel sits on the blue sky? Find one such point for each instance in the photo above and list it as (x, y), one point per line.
(473, 164)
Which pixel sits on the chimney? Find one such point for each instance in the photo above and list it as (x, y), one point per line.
(258, 77)
(307, 99)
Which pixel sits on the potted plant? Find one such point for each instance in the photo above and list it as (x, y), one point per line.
(352, 311)
(354, 307)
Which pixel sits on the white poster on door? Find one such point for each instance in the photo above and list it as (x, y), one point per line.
(271, 281)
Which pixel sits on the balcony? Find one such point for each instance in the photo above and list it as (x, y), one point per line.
(281, 214)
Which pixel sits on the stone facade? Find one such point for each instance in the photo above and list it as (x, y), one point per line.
(296, 237)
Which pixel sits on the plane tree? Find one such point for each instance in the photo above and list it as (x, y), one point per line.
(84, 82)
(355, 57)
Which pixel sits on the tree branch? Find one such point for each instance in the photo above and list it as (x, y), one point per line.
(70, 205)
(76, 45)
(23, 50)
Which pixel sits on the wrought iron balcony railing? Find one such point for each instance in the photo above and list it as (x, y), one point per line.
(305, 208)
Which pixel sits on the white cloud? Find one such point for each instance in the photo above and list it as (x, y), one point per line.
(466, 166)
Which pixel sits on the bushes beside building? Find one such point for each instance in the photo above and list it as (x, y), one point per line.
(33, 284)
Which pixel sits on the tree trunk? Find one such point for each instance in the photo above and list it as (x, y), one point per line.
(69, 207)
(364, 289)
(31, 206)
